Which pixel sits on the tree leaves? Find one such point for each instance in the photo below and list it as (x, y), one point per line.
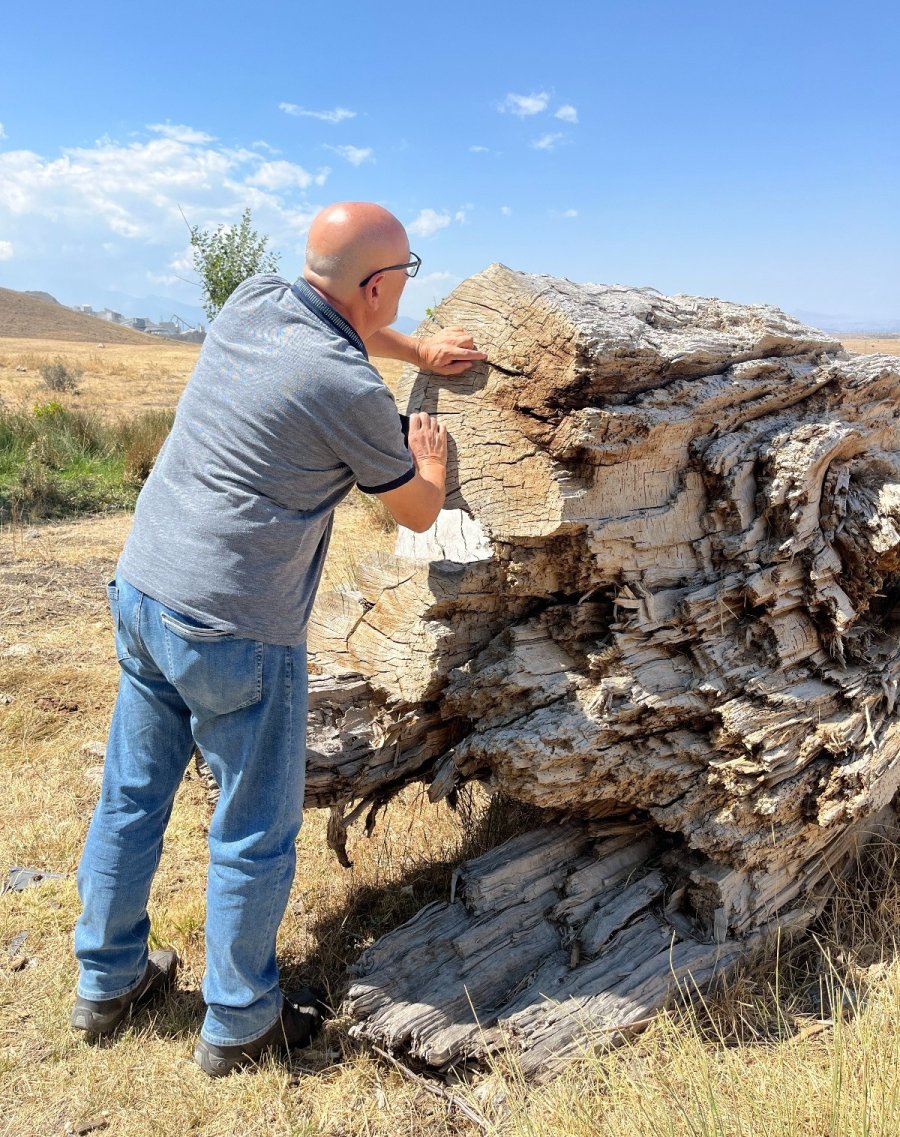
(225, 258)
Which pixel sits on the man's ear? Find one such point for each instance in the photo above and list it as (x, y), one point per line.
(373, 292)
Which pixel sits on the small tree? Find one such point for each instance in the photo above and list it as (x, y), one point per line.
(225, 258)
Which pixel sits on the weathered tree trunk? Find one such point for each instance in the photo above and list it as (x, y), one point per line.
(662, 602)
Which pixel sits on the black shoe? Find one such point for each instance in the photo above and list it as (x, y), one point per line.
(301, 1015)
(97, 1017)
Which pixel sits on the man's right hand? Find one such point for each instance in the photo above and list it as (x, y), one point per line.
(427, 439)
(451, 351)
(417, 503)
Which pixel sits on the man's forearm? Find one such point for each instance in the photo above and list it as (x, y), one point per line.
(394, 345)
(430, 481)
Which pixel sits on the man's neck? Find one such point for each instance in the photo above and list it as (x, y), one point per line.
(349, 315)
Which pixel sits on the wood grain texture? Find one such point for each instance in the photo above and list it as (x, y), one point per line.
(666, 586)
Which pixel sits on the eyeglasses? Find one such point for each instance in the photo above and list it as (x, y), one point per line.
(410, 269)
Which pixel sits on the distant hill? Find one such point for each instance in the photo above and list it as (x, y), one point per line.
(830, 322)
(41, 296)
(30, 315)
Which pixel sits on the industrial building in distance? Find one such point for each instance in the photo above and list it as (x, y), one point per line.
(173, 329)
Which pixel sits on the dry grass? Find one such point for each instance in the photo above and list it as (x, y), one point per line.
(872, 345)
(57, 685)
(757, 1059)
(801, 1042)
(118, 379)
(123, 379)
(765, 1055)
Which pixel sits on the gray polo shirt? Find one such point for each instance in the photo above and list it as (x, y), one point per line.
(282, 415)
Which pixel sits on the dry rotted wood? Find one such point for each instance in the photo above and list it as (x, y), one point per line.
(666, 584)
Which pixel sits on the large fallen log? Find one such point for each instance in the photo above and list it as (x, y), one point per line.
(662, 604)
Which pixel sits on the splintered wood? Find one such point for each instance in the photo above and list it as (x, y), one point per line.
(662, 603)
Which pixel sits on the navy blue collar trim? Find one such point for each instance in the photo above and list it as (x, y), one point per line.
(317, 304)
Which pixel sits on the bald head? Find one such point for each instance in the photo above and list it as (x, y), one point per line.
(349, 240)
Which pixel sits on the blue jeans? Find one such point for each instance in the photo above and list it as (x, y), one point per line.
(244, 704)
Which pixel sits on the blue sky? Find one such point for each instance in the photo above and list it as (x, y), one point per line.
(748, 151)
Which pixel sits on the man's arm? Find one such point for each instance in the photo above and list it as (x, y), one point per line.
(450, 352)
(416, 504)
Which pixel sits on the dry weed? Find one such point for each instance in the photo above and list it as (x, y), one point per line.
(119, 379)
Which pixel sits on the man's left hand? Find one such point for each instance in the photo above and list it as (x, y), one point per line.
(450, 352)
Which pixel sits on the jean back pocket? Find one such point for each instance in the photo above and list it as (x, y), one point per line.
(213, 671)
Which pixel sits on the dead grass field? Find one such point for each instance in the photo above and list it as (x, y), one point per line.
(872, 345)
(766, 1056)
(119, 379)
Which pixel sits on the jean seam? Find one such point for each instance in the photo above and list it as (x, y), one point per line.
(138, 612)
(285, 801)
(258, 653)
(198, 635)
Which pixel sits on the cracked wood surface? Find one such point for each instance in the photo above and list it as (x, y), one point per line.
(666, 585)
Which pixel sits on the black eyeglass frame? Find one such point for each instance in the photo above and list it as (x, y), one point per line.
(414, 264)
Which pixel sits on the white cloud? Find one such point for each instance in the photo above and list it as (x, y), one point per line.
(569, 213)
(177, 133)
(431, 278)
(567, 113)
(355, 155)
(260, 145)
(478, 150)
(506, 211)
(165, 278)
(523, 105)
(462, 214)
(427, 223)
(6, 251)
(183, 261)
(547, 141)
(106, 215)
(2, 131)
(284, 175)
(339, 114)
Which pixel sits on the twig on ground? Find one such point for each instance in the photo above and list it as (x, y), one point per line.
(439, 1091)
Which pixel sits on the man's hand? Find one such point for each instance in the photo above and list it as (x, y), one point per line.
(417, 502)
(450, 352)
(427, 439)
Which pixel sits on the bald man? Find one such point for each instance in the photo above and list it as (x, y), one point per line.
(282, 416)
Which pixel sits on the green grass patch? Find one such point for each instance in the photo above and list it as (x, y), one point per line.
(56, 461)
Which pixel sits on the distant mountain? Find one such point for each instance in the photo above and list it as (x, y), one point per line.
(405, 325)
(829, 322)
